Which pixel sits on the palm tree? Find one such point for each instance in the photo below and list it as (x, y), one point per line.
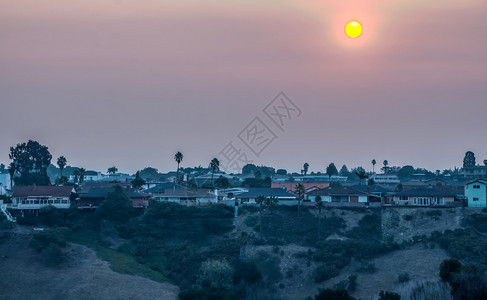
(305, 168)
(319, 205)
(178, 157)
(272, 202)
(385, 168)
(82, 172)
(11, 170)
(215, 166)
(260, 200)
(362, 175)
(373, 165)
(61, 162)
(112, 170)
(76, 176)
(300, 190)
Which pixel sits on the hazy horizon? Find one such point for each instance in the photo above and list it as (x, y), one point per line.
(130, 83)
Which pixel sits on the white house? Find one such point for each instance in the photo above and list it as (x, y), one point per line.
(187, 196)
(385, 179)
(338, 194)
(283, 197)
(35, 197)
(476, 193)
(5, 180)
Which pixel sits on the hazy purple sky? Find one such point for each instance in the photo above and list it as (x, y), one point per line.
(129, 83)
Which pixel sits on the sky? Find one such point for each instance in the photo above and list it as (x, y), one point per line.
(129, 83)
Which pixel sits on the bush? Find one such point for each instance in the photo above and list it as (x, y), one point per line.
(433, 213)
(251, 221)
(384, 295)
(56, 236)
(331, 294)
(324, 272)
(5, 224)
(51, 255)
(248, 272)
(403, 277)
(407, 218)
(448, 267)
(49, 215)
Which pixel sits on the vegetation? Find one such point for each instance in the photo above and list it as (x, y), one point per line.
(331, 294)
(30, 160)
(178, 157)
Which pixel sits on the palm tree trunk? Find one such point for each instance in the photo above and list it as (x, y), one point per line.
(177, 174)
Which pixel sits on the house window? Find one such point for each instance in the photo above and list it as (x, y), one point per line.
(475, 199)
(476, 186)
(403, 198)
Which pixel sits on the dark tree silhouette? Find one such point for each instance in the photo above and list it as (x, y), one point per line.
(331, 170)
(215, 166)
(178, 157)
(31, 160)
(61, 162)
(469, 160)
(305, 168)
(373, 165)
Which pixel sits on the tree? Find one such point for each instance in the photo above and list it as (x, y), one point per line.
(299, 190)
(11, 170)
(373, 165)
(260, 200)
(319, 205)
(117, 207)
(305, 168)
(405, 172)
(61, 162)
(485, 162)
(82, 172)
(138, 182)
(271, 202)
(281, 172)
(76, 176)
(222, 182)
(385, 168)
(215, 166)
(215, 274)
(360, 172)
(148, 172)
(178, 157)
(112, 170)
(331, 170)
(344, 171)
(469, 160)
(31, 160)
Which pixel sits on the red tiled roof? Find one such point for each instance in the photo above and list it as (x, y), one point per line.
(42, 191)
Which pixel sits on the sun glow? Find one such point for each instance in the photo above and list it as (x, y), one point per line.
(353, 29)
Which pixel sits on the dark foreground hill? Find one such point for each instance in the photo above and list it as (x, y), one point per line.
(81, 275)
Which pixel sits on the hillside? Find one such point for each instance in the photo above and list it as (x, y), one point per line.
(81, 275)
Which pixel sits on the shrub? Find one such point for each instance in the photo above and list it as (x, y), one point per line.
(5, 224)
(324, 272)
(215, 274)
(434, 213)
(407, 217)
(44, 238)
(49, 215)
(251, 221)
(384, 295)
(51, 255)
(448, 267)
(403, 277)
(248, 272)
(331, 294)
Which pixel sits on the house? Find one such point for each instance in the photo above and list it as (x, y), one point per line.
(35, 197)
(284, 197)
(160, 188)
(476, 193)
(320, 178)
(475, 172)
(385, 179)
(308, 186)
(338, 194)
(92, 197)
(374, 191)
(188, 196)
(5, 179)
(424, 197)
